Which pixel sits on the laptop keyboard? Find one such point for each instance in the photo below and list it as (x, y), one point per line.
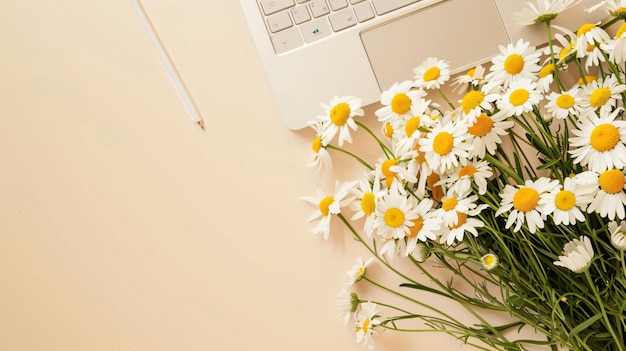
(294, 23)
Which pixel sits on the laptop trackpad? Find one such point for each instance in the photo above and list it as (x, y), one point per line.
(463, 32)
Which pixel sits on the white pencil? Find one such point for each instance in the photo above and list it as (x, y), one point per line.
(171, 71)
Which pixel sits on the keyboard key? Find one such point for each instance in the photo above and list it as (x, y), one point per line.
(337, 4)
(300, 14)
(315, 30)
(286, 40)
(318, 8)
(384, 6)
(363, 11)
(272, 6)
(342, 19)
(279, 21)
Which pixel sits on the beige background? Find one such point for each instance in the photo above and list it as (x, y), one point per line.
(123, 225)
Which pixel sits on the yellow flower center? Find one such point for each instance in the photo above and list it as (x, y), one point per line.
(443, 143)
(546, 70)
(449, 204)
(462, 220)
(585, 28)
(317, 144)
(468, 171)
(471, 72)
(599, 97)
(565, 101)
(604, 137)
(366, 326)
(436, 190)
(565, 200)
(421, 156)
(489, 260)
(588, 79)
(514, 64)
(590, 47)
(482, 126)
(325, 204)
(412, 125)
(620, 30)
(415, 228)
(368, 203)
(388, 130)
(565, 51)
(340, 113)
(400, 104)
(432, 74)
(525, 199)
(394, 217)
(472, 100)
(385, 168)
(519, 97)
(612, 181)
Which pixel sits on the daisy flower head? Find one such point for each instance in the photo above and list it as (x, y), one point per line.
(366, 321)
(445, 146)
(347, 303)
(599, 142)
(475, 102)
(609, 197)
(474, 172)
(368, 193)
(520, 97)
(589, 34)
(328, 205)
(397, 169)
(339, 116)
(515, 61)
(564, 203)
(398, 102)
(395, 214)
(602, 94)
(546, 77)
(567, 103)
(617, 230)
(484, 134)
(471, 79)
(615, 8)
(523, 203)
(577, 255)
(490, 261)
(616, 47)
(358, 271)
(320, 159)
(432, 73)
(425, 226)
(466, 221)
(542, 11)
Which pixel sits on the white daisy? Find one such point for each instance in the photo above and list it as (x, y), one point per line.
(618, 240)
(366, 321)
(542, 11)
(467, 222)
(616, 8)
(515, 61)
(398, 102)
(432, 73)
(484, 134)
(367, 193)
(328, 205)
(546, 77)
(475, 172)
(521, 96)
(394, 214)
(577, 255)
(594, 56)
(339, 117)
(602, 94)
(610, 199)
(523, 203)
(358, 271)
(472, 78)
(320, 159)
(445, 146)
(567, 103)
(425, 226)
(564, 203)
(397, 168)
(452, 204)
(490, 261)
(347, 303)
(475, 102)
(408, 130)
(589, 34)
(599, 142)
(616, 47)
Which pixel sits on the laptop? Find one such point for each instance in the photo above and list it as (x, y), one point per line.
(313, 50)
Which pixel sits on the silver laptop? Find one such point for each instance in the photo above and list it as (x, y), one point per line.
(313, 50)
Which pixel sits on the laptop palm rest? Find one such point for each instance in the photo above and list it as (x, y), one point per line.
(463, 32)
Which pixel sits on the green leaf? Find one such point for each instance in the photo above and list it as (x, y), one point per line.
(584, 325)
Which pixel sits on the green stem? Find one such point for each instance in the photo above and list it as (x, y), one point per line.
(607, 322)
(363, 162)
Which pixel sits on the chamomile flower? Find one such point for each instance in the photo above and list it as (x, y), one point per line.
(395, 214)
(445, 146)
(366, 321)
(475, 172)
(358, 271)
(320, 159)
(599, 142)
(567, 103)
(615, 8)
(484, 134)
(367, 193)
(616, 47)
(489, 261)
(515, 61)
(523, 203)
(471, 79)
(397, 168)
(520, 97)
(564, 203)
(602, 94)
(467, 223)
(453, 204)
(425, 226)
(609, 199)
(475, 102)
(589, 34)
(339, 114)
(577, 255)
(617, 234)
(542, 11)
(432, 73)
(546, 77)
(328, 205)
(347, 303)
(398, 102)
